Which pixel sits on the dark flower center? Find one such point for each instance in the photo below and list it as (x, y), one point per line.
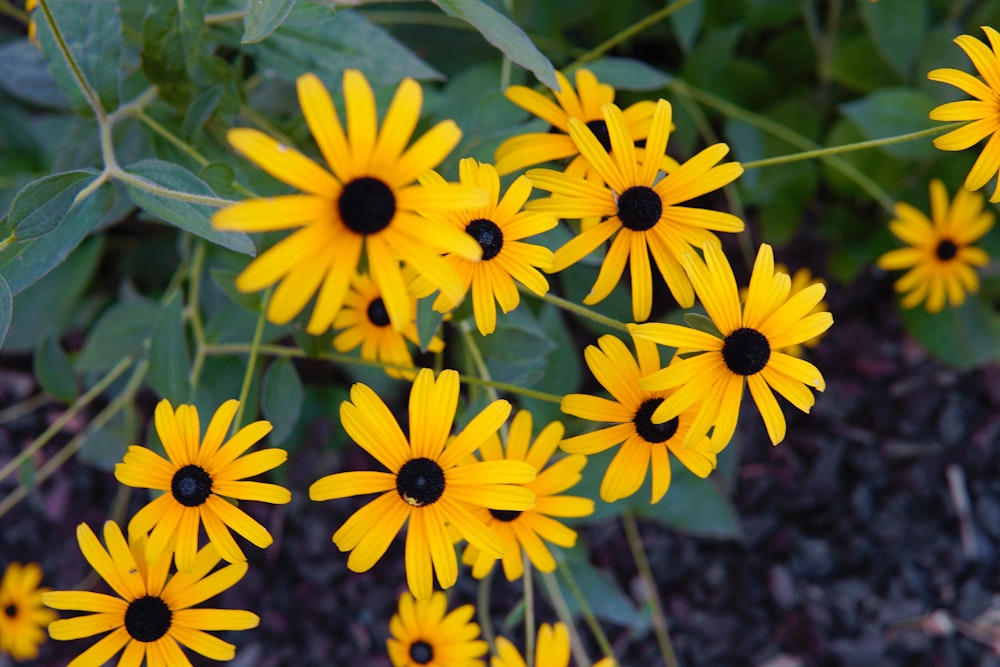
(639, 208)
(946, 250)
(366, 205)
(505, 515)
(191, 485)
(147, 618)
(746, 351)
(421, 652)
(487, 235)
(600, 130)
(420, 482)
(10, 610)
(377, 314)
(647, 430)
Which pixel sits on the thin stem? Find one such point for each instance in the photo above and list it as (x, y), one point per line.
(25, 407)
(151, 187)
(477, 358)
(558, 601)
(576, 309)
(588, 614)
(134, 107)
(660, 628)
(65, 418)
(224, 17)
(529, 612)
(483, 610)
(81, 81)
(194, 312)
(252, 360)
(14, 12)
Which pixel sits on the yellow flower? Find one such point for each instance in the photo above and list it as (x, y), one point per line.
(530, 529)
(745, 351)
(198, 479)
(426, 483)
(551, 650)
(152, 614)
(365, 324)
(983, 112)
(423, 634)
(499, 228)
(29, 7)
(940, 256)
(642, 211)
(644, 444)
(23, 619)
(368, 205)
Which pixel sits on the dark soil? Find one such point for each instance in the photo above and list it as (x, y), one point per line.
(857, 549)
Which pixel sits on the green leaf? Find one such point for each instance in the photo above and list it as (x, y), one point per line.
(106, 446)
(25, 262)
(313, 39)
(225, 280)
(6, 309)
(504, 34)
(92, 31)
(601, 592)
(964, 337)
(169, 361)
(40, 206)
(519, 349)
(428, 321)
(122, 330)
(890, 112)
(686, 24)
(263, 17)
(702, 323)
(54, 371)
(193, 218)
(26, 76)
(897, 29)
(563, 369)
(628, 74)
(855, 65)
(281, 398)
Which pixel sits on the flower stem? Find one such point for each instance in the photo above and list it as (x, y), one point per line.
(529, 612)
(81, 81)
(577, 309)
(252, 360)
(660, 628)
(588, 614)
(483, 610)
(562, 611)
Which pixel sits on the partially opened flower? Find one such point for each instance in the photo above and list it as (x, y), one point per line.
(365, 324)
(198, 477)
(366, 208)
(152, 615)
(500, 228)
(983, 112)
(644, 444)
(940, 256)
(425, 633)
(642, 212)
(745, 351)
(551, 650)
(528, 531)
(23, 619)
(427, 484)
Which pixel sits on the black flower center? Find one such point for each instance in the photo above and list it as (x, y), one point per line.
(191, 485)
(487, 235)
(647, 430)
(10, 610)
(946, 250)
(505, 515)
(600, 130)
(366, 205)
(420, 482)
(746, 351)
(421, 652)
(147, 618)
(377, 314)
(639, 208)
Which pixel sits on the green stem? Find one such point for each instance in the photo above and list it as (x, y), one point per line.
(25, 407)
(576, 309)
(252, 360)
(134, 107)
(562, 611)
(483, 610)
(660, 628)
(194, 312)
(477, 358)
(588, 614)
(71, 412)
(151, 187)
(224, 17)
(14, 12)
(81, 81)
(529, 612)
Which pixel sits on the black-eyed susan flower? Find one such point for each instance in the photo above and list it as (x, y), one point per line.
(982, 112)
(801, 279)
(368, 205)
(940, 256)
(23, 619)
(528, 531)
(499, 228)
(198, 477)
(644, 444)
(427, 484)
(551, 650)
(744, 353)
(425, 633)
(153, 615)
(642, 211)
(365, 323)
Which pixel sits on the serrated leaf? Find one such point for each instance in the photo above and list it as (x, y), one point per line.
(25, 262)
(193, 218)
(54, 371)
(92, 31)
(897, 29)
(964, 337)
(892, 111)
(504, 34)
(169, 361)
(40, 206)
(629, 74)
(6, 309)
(122, 330)
(263, 17)
(281, 398)
(702, 323)
(26, 76)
